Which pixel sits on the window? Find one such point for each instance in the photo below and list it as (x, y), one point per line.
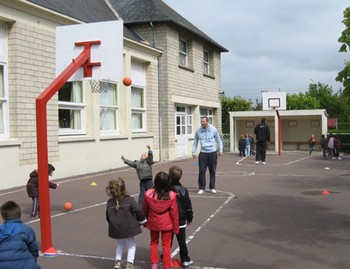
(206, 67)
(186, 121)
(109, 109)
(207, 112)
(3, 103)
(3, 82)
(138, 116)
(71, 113)
(183, 53)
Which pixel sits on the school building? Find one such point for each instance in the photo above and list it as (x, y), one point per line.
(174, 66)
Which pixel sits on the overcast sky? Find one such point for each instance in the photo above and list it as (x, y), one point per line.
(273, 44)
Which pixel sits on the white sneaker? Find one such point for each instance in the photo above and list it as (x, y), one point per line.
(256, 162)
(263, 163)
(213, 191)
(200, 192)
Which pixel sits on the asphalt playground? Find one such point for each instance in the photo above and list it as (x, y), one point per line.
(292, 212)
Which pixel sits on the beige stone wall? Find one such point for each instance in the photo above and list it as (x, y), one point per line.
(31, 68)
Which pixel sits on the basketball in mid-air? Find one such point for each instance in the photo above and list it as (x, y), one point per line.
(127, 81)
(68, 206)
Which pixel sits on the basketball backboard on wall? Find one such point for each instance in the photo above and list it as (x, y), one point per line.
(109, 52)
(274, 100)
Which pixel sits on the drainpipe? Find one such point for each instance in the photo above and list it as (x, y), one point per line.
(160, 118)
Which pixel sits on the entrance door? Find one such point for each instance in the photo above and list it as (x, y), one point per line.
(181, 134)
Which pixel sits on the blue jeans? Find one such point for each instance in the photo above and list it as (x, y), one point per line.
(145, 184)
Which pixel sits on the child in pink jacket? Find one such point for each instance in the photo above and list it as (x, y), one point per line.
(161, 212)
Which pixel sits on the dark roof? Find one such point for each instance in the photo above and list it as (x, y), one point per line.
(87, 11)
(145, 11)
(131, 11)
(83, 10)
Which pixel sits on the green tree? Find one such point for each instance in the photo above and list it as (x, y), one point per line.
(232, 104)
(302, 101)
(344, 75)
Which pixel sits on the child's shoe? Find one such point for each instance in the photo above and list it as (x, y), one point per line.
(129, 265)
(154, 266)
(118, 265)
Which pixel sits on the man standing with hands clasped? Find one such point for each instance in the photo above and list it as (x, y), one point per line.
(262, 132)
(208, 136)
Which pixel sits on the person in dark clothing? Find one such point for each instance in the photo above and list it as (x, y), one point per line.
(33, 189)
(144, 171)
(324, 146)
(124, 217)
(18, 246)
(185, 212)
(241, 146)
(262, 132)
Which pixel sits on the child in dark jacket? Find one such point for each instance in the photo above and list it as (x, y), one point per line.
(144, 171)
(18, 246)
(124, 217)
(33, 189)
(241, 146)
(324, 146)
(185, 212)
(162, 215)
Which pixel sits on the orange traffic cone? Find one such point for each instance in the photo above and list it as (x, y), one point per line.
(176, 263)
(325, 192)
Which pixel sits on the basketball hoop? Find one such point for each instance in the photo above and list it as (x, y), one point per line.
(100, 86)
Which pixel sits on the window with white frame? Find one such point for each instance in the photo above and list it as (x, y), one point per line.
(138, 97)
(206, 64)
(188, 124)
(109, 109)
(207, 112)
(3, 82)
(138, 114)
(183, 53)
(71, 109)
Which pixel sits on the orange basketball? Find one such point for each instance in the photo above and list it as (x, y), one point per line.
(127, 81)
(67, 206)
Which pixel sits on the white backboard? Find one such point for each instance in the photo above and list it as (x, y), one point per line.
(109, 53)
(274, 100)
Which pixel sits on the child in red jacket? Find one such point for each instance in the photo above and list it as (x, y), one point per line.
(162, 215)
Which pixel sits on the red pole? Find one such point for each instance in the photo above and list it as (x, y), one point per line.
(42, 146)
(279, 132)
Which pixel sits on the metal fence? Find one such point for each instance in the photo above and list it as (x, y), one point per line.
(226, 141)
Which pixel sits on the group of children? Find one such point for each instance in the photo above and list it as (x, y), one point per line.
(331, 147)
(246, 145)
(164, 207)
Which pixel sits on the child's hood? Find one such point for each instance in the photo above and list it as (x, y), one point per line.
(9, 229)
(160, 206)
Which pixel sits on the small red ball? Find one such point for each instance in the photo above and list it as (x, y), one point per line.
(127, 81)
(67, 206)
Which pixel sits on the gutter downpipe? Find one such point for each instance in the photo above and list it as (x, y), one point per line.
(160, 118)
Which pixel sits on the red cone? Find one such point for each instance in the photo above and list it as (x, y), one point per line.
(176, 263)
(325, 192)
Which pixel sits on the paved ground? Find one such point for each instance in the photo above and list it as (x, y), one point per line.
(264, 216)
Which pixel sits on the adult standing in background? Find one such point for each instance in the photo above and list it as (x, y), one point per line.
(208, 136)
(262, 132)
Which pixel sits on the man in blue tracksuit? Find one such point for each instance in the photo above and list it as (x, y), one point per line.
(208, 136)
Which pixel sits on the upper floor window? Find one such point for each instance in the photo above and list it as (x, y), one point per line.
(138, 113)
(71, 109)
(206, 64)
(183, 53)
(3, 82)
(3, 103)
(207, 112)
(109, 109)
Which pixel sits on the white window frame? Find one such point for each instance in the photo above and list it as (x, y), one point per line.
(135, 110)
(183, 52)
(115, 107)
(74, 106)
(4, 106)
(206, 62)
(207, 112)
(189, 118)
